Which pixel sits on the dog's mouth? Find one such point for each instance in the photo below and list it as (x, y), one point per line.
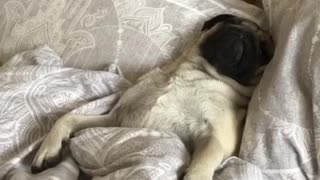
(257, 77)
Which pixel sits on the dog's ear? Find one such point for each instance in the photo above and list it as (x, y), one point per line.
(221, 18)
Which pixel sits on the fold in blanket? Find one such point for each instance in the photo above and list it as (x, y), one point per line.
(36, 90)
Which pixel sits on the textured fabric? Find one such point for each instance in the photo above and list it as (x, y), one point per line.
(136, 34)
(36, 90)
(128, 153)
(66, 170)
(281, 138)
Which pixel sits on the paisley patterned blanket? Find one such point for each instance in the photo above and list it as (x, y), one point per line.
(281, 138)
(36, 90)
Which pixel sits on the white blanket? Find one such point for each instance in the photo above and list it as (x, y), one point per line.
(36, 90)
(281, 138)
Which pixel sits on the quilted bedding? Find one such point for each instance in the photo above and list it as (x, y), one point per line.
(125, 38)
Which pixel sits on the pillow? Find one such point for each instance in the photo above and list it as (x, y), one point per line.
(137, 35)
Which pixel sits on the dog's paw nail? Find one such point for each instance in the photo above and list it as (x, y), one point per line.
(35, 169)
(52, 161)
(47, 156)
(48, 162)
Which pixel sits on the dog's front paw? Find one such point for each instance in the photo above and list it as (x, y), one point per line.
(48, 154)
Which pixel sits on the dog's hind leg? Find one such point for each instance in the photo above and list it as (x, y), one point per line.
(207, 156)
(49, 153)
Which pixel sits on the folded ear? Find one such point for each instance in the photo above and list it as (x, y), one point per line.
(221, 18)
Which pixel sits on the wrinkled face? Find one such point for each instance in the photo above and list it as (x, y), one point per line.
(236, 47)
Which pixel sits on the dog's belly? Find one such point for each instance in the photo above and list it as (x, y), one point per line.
(136, 103)
(172, 105)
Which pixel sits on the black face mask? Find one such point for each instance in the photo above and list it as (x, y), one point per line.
(233, 51)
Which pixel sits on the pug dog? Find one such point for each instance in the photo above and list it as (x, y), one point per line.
(202, 97)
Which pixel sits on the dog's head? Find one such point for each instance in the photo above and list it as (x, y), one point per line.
(235, 47)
